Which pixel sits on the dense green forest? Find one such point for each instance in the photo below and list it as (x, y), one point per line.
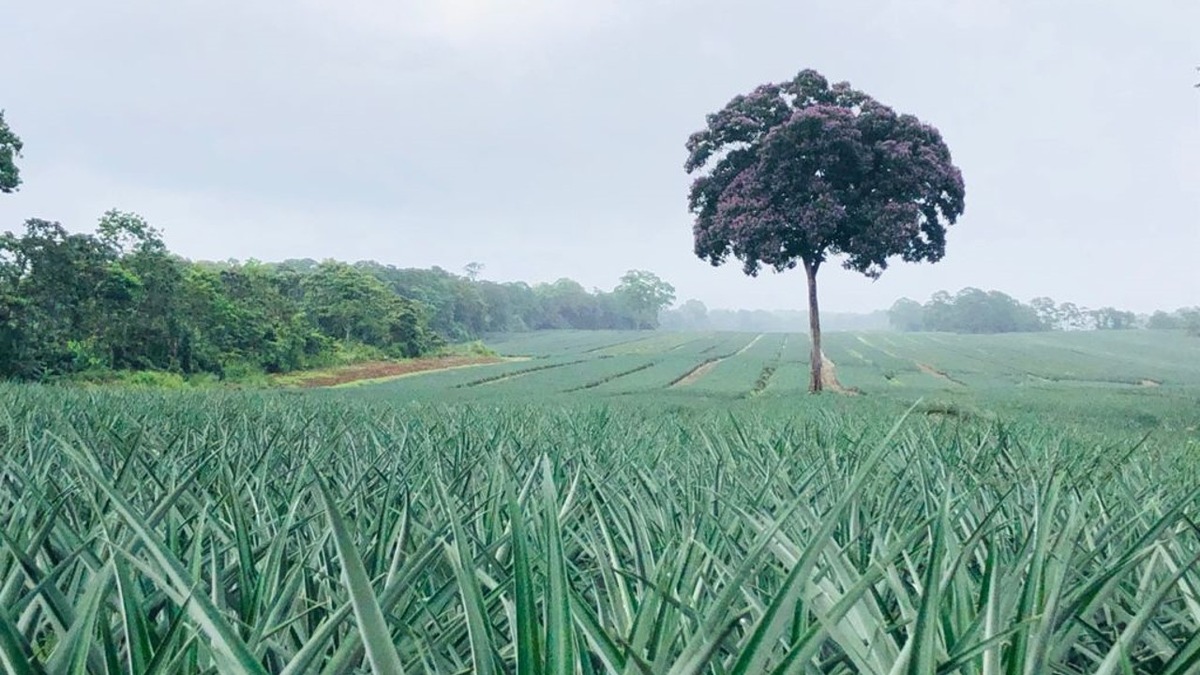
(117, 299)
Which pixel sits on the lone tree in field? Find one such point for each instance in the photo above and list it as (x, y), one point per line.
(801, 171)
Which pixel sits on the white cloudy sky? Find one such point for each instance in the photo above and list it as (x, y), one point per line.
(544, 138)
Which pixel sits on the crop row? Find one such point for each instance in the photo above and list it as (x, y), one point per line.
(247, 533)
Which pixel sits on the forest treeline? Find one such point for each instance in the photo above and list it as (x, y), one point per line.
(85, 304)
(117, 300)
(972, 310)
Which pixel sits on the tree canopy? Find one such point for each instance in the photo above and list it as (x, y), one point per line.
(799, 172)
(10, 150)
(644, 296)
(972, 310)
(117, 299)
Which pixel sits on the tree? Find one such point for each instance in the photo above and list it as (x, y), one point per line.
(127, 233)
(1072, 317)
(694, 315)
(350, 304)
(1191, 320)
(1047, 312)
(55, 287)
(907, 315)
(971, 310)
(644, 295)
(10, 150)
(799, 172)
(1161, 320)
(1110, 318)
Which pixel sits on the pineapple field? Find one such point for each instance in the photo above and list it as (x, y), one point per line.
(623, 502)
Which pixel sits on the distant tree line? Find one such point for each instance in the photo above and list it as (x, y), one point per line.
(119, 300)
(972, 310)
(694, 315)
(1186, 318)
(463, 307)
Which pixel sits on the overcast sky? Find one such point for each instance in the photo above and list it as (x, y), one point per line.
(545, 138)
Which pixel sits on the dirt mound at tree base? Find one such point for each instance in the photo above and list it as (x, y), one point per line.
(829, 378)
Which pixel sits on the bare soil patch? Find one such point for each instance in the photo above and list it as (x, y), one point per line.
(383, 370)
(939, 374)
(829, 378)
(705, 368)
(1150, 383)
(696, 373)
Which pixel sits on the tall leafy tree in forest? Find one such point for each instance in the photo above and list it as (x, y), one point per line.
(10, 150)
(907, 315)
(799, 172)
(350, 304)
(644, 295)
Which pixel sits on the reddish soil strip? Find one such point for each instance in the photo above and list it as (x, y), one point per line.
(378, 370)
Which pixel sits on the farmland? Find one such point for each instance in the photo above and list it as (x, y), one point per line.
(1111, 378)
(623, 502)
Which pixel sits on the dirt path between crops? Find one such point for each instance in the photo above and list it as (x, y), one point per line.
(695, 373)
(705, 368)
(939, 374)
(388, 370)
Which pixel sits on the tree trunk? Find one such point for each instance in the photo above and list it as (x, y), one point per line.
(814, 327)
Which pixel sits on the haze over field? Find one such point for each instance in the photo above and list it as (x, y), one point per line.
(545, 139)
(430, 372)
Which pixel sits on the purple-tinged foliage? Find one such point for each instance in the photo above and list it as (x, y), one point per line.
(802, 171)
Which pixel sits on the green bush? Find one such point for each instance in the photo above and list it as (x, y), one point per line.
(473, 348)
(150, 379)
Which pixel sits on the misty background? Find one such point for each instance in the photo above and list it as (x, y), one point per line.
(545, 139)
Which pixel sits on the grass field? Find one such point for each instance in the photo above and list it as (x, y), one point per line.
(623, 503)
